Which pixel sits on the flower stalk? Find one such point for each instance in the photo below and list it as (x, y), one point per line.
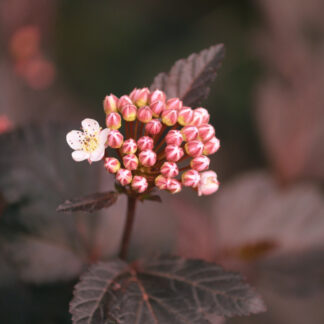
(130, 216)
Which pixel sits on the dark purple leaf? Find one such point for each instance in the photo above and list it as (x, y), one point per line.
(190, 78)
(164, 289)
(89, 203)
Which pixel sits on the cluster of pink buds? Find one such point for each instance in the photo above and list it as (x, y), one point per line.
(159, 143)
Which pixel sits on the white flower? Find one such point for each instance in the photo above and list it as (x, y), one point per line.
(90, 144)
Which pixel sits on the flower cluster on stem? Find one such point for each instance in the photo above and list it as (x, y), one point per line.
(158, 143)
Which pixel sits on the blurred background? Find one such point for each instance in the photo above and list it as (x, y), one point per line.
(58, 59)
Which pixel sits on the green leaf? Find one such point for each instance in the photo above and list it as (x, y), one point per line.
(89, 203)
(165, 289)
(190, 79)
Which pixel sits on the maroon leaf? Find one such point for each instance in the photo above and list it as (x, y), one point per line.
(190, 78)
(164, 289)
(90, 203)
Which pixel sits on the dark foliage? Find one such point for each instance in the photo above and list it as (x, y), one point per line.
(190, 78)
(89, 203)
(165, 289)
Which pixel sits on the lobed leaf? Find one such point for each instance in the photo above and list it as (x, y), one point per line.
(165, 289)
(89, 203)
(190, 78)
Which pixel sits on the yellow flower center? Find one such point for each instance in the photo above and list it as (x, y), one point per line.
(91, 142)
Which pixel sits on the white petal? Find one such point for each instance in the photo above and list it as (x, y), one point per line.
(97, 154)
(75, 139)
(103, 137)
(79, 156)
(90, 126)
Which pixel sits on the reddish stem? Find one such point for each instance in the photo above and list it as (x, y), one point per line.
(135, 130)
(130, 216)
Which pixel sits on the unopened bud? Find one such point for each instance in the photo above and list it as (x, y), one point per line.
(140, 97)
(169, 169)
(123, 101)
(124, 177)
(174, 186)
(190, 178)
(115, 139)
(139, 184)
(153, 127)
(169, 117)
(144, 114)
(157, 107)
(173, 153)
(129, 112)
(157, 95)
(110, 104)
(185, 116)
(200, 163)
(194, 148)
(145, 143)
(174, 103)
(111, 164)
(129, 146)
(113, 120)
(212, 146)
(206, 132)
(161, 182)
(174, 137)
(189, 133)
(147, 158)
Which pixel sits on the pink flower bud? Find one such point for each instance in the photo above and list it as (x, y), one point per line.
(206, 132)
(110, 103)
(157, 107)
(133, 94)
(129, 146)
(161, 182)
(174, 137)
(139, 184)
(190, 178)
(129, 112)
(130, 161)
(185, 116)
(153, 127)
(124, 177)
(208, 183)
(123, 101)
(115, 139)
(169, 117)
(144, 114)
(174, 103)
(200, 163)
(140, 97)
(169, 169)
(113, 120)
(157, 95)
(197, 118)
(189, 133)
(211, 146)
(112, 165)
(174, 186)
(147, 158)
(194, 148)
(173, 153)
(205, 114)
(145, 143)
